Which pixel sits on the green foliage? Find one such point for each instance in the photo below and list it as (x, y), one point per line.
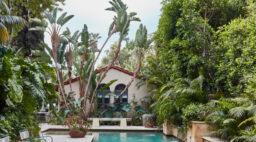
(122, 19)
(231, 117)
(173, 97)
(30, 43)
(8, 21)
(126, 58)
(24, 88)
(195, 112)
(205, 51)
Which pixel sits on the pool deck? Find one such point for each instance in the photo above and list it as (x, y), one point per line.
(67, 138)
(44, 127)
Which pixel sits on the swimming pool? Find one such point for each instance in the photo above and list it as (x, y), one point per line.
(131, 137)
(117, 136)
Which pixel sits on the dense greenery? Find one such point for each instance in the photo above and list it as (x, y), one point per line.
(202, 65)
(24, 88)
(30, 43)
(24, 84)
(205, 51)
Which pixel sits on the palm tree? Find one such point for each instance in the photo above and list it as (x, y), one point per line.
(8, 21)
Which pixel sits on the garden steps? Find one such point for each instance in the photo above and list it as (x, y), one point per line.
(212, 139)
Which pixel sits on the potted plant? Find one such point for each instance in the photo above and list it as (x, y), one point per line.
(78, 127)
(148, 120)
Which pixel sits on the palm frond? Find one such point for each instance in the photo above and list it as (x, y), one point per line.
(8, 20)
(4, 7)
(64, 20)
(238, 112)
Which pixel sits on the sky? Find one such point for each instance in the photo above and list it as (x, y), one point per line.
(93, 14)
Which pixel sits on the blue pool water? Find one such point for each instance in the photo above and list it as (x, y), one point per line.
(131, 137)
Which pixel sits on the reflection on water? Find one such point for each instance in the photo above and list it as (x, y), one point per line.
(130, 137)
(123, 136)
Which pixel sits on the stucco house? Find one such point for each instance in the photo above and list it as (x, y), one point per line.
(123, 77)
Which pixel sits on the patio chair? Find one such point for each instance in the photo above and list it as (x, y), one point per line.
(5, 139)
(24, 135)
(45, 136)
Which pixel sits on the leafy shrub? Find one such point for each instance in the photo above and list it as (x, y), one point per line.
(137, 116)
(24, 87)
(234, 119)
(195, 112)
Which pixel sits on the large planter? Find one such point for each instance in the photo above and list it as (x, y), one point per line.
(171, 130)
(77, 134)
(198, 130)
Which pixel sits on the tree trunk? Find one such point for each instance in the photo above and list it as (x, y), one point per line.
(92, 69)
(104, 74)
(70, 83)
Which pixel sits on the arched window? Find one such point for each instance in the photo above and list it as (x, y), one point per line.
(118, 89)
(102, 97)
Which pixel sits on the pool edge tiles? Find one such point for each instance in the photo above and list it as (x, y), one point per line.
(45, 127)
(67, 138)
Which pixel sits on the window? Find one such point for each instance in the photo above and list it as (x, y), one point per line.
(102, 98)
(119, 88)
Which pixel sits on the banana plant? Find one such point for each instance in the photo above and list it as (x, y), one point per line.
(8, 20)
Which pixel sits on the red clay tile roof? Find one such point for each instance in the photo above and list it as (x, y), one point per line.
(98, 71)
(117, 68)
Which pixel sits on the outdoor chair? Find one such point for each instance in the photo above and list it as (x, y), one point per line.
(5, 139)
(24, 135)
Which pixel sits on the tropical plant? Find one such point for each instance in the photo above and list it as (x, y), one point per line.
(25, 88)
(120, 25)
(56, 25)
(195, 112)
(29, 43)
(141, 45)
(8, 21)
(77, 124)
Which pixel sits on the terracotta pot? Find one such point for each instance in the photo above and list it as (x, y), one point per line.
(77, 134)
(149, 124)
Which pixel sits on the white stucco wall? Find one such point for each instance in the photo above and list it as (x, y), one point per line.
(134, 93)
(75, 89)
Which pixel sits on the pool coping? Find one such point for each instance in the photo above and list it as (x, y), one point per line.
(67, 138)
(46, 127)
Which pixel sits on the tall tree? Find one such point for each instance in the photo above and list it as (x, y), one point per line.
(189, 48)
(120, 25)
(27, 40)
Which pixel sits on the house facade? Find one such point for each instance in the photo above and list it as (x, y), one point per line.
(123, 77)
